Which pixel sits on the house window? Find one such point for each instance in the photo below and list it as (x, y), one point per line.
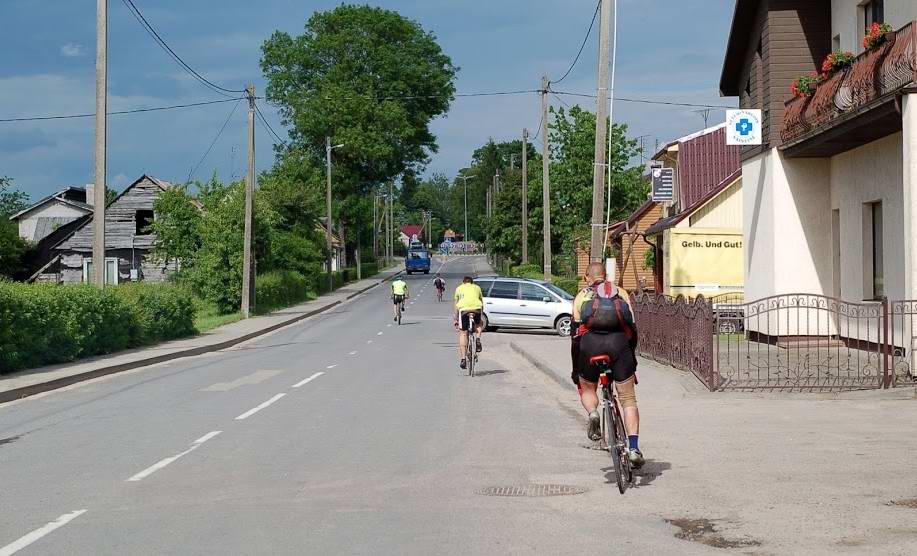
(873, 12)
(836, 43)
(111, 270)
(873, 251)
(144, 219)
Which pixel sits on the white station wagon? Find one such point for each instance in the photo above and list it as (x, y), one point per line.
(525, 303)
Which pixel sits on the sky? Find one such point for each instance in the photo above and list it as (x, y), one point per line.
(668, 50)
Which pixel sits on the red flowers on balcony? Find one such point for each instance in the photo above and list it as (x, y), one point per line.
(804, 86)
(876, 35)
(835, 62)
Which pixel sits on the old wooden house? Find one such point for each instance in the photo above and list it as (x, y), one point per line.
(128, 241)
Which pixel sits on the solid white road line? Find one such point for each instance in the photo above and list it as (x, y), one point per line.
(25, 541)
(259, 407)
(171, 459)
(308, 380)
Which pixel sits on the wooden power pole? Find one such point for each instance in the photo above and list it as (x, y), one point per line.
(99, 187)
(525, 196)
(248, 279)
(546, 179)
(601, 136)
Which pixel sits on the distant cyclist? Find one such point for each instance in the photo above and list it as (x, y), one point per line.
(399, 295)
(469, 304)
(440, 286)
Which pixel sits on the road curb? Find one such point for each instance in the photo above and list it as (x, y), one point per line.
(33, 389)
(541, 366)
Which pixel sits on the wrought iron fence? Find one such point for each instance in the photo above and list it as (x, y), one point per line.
(677, 332)
(801, 342)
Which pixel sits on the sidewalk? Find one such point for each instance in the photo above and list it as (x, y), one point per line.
(798, 473)
(34, 381)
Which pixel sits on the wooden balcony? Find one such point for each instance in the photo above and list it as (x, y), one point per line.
(856, 106)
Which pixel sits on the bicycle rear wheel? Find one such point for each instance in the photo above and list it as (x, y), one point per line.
(611, 438)
(469, 354)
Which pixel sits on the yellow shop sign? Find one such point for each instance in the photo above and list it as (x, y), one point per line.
(702, 261)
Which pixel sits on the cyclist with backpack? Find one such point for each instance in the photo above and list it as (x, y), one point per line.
(440, 285)
(604, 325)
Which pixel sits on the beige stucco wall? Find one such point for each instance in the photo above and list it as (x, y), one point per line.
(870, 173)
(787, 225)
(723, 211)
(847, 17)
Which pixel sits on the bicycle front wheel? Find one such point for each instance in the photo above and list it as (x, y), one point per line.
(611, 438)
(470, 355)
(627, 473)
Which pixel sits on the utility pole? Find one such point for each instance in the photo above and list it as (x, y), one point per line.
(330, 246)
(99, 188)
(375, 227)
(601, 136)
(525, 196)
(466, 178)
(546, 178)
(391, 221)
(248, 281)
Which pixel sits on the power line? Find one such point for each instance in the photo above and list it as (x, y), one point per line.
(215, 139)
(582, 46)
(118, 112)
(647, 101)
(267, 126)
(456, 95)
(562, 101)
(138, 15)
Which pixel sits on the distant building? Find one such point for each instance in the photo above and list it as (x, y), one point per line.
(409, 233)
(337, 262)
(629, 246)
(128, 241)
(51, 213)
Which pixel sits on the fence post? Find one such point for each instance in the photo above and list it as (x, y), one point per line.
(714, 349)
(886, 346)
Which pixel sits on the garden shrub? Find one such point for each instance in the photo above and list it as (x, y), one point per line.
(279, 289)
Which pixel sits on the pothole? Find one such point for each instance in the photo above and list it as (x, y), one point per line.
(704, 531)
(905, 503)
(531, 490)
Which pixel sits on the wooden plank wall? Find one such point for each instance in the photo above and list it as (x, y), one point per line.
(120, 221)
(645, 275)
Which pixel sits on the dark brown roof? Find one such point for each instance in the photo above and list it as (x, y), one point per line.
(666, 223)
(737, 48)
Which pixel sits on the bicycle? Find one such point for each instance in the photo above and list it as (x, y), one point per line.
(439, 295)
(613, 424)
(400, 310)
(471, 354)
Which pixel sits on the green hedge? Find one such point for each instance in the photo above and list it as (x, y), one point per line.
(41, 324)
(569, 285)
(279, 289)
(527, 271)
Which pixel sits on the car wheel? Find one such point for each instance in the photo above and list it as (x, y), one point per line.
(564, 326)
(486, 322)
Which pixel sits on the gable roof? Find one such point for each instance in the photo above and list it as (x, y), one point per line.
(60, 197)
(687, 138)
(618, 228)
(671, 221)
(411, 230)
(737, 46)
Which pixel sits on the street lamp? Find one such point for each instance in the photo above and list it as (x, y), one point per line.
(466, 178)
(328, 149)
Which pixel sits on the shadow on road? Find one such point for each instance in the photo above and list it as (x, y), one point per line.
(645, 476)
(488, 373)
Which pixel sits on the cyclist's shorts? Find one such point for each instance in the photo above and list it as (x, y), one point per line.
(614, 344)
(396, 299)
(466, 315)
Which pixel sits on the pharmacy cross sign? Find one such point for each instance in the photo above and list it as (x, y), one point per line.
(743, 127)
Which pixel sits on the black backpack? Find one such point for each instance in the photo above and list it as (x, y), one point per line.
(608, 312)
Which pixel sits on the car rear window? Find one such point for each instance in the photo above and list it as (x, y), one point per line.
(484, 285)
(505, 290)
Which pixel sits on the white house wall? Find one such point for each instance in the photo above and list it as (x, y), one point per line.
(758, 228)
(52, 209)
(847, 18)
(873, 172)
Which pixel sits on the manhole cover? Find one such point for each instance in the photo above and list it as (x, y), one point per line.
(531, 490)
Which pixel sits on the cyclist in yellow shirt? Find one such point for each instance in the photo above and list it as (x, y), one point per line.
(469, 304)
(399, 294)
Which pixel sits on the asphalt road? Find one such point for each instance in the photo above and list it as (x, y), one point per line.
(344, 434)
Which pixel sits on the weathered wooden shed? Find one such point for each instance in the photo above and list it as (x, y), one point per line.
(128, 240)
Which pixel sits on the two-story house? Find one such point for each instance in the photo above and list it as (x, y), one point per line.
(830, 198)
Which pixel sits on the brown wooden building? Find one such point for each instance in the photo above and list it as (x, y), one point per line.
(630, 247)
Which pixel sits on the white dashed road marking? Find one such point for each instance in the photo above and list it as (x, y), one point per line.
(331, 366)
(259, 407)
(378, 333)
(352, 353)
(171, 459)
(25, 541)
(369, 341)
(308, 380)
(256, 377)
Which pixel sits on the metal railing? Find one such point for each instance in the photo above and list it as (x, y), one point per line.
(794, 342)
(874, 74)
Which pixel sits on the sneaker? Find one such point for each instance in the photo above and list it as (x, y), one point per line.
(395, 318)
(636, 458)
(477, 346)
(463, 364)
(595, 426)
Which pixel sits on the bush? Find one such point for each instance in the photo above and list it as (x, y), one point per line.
(279, 289)
(569, 285)
(527, 271)
(161, 311)
(42, 324)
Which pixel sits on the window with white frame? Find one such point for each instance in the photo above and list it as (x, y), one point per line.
(111, 270)
(873, 251)
(873, 12)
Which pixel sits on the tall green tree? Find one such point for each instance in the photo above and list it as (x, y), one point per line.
(11, 200)
(12, 247)
(370, 79)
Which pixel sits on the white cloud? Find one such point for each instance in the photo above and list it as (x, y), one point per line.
(72, 50)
